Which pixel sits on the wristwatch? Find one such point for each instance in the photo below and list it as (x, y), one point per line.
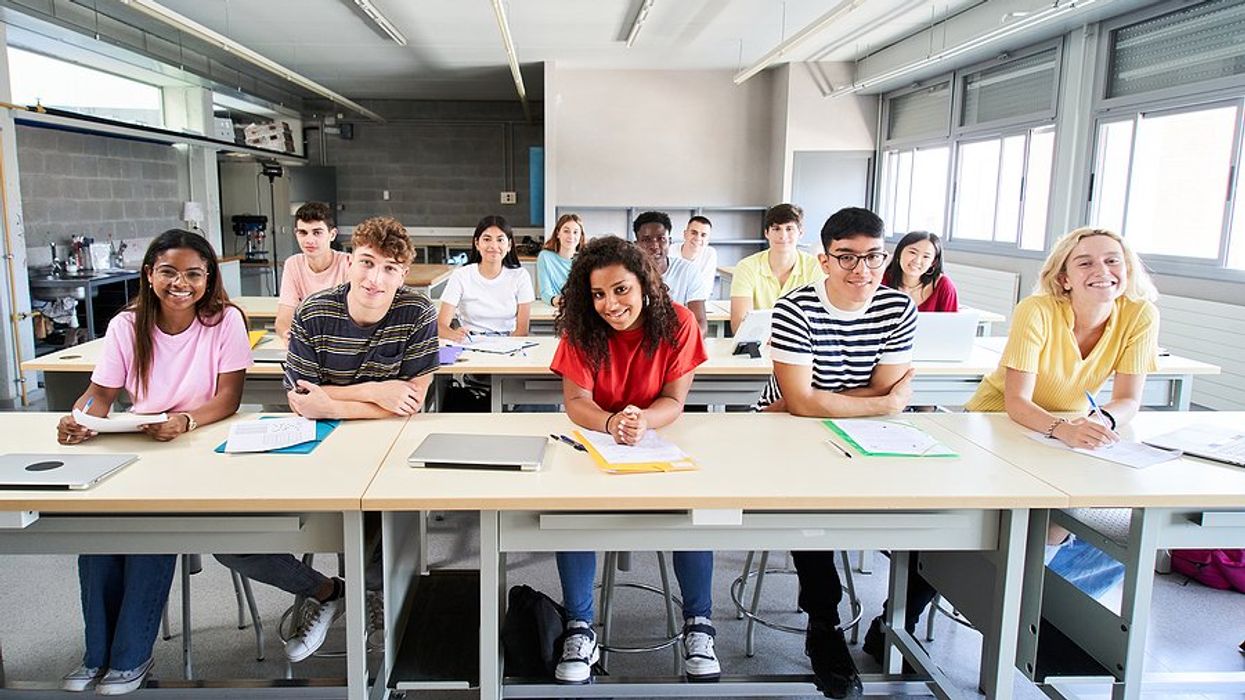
(191, 423)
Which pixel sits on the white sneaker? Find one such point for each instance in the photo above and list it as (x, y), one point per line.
(375, 620)
(123, 682)
(314, 626)
(82, 678)
(699, 659)
(579, 653)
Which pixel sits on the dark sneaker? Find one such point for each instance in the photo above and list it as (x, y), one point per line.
(834, 671)
(579, 653)
(699, 659)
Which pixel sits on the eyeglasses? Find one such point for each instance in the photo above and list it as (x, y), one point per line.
(193, 276)
(849, 261)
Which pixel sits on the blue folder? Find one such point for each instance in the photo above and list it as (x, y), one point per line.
(323, 428)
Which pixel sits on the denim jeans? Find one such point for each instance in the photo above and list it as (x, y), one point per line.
(123, 597)
(694, 571)
(290, 574)
(1086, 567)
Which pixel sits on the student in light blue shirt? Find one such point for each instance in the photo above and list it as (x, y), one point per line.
(683, 279)
(554, 262)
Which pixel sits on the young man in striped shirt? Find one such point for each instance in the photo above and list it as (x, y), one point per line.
(363, 349)
(841, 348)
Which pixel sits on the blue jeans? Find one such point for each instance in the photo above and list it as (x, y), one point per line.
(123, 597)
(1086, 567)
(282, 571)
(694, 571)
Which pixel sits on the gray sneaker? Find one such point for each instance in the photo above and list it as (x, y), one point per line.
(82, 678)
(122, 682)
(375, 620)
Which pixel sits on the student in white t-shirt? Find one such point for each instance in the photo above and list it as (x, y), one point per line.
(696, 249)
(492, 294)
(683, 281)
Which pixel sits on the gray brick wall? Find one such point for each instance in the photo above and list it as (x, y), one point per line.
(442, 162)
(80, 183)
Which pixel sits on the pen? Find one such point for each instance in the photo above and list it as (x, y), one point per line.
(1094, 405)
(840, 448)
(569, 441)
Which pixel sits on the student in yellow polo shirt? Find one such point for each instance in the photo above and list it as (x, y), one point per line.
(760, 279)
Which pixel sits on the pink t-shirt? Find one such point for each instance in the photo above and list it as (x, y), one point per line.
(298, 281)
(183, 366)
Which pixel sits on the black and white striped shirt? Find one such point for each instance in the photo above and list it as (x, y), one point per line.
(842, 347)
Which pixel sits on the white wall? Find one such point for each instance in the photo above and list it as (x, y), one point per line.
(660, 138)
(818, 123)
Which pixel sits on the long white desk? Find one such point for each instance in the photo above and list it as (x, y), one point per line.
(717, 312)
(1187, 503)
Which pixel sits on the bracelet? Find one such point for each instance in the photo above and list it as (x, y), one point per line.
(1110, 417)
(607, 420)
(1050, 432)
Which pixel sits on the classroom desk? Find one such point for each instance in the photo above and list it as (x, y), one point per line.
(717, 312)
(425, 278)
(1187, 503)
(180, 496)
(260, 311)
(975, 505)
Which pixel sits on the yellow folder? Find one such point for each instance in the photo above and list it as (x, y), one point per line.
(255, 337)
(682, 465)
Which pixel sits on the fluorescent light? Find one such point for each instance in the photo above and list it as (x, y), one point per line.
(511, 57)
(182, 23)
(381, 21)
(639, 21)
(798, 38)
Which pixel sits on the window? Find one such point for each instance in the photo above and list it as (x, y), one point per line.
(914, 196)
(38, 79)
(1174, 51)
(993, 179)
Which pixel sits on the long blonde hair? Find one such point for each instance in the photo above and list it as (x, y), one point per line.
(1139, 286)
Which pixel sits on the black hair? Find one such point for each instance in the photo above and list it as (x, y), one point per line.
(893, 275)
(652, 217)
(785, 213)
(698, 219)
(850, 222)
(494, 220)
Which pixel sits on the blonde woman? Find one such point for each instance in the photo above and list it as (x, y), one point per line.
(554, 262)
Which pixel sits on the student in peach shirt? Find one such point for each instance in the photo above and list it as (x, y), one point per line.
(317, 267)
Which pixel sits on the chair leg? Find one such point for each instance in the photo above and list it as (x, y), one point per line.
(750, 626)
(237, 597)
(165, 634)
(743, 586)
(608, 576)
(855, 605)
(865, 560)
(259, 626)
(670, 620)
(187, 668)
(929, 618)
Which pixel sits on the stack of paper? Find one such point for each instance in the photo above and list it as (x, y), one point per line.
(117, 422)
(888, 438)
(651, 454)
(266, 435)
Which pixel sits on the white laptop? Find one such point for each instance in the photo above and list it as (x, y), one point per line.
(468, 451)
(944, 337)
(269, 354)
(58, 471)
(754, 330)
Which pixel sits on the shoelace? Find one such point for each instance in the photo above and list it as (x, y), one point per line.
(312, 610)
(699, 644)
(576, 646)
(375, 613)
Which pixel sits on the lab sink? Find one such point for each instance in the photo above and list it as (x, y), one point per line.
(47, 286)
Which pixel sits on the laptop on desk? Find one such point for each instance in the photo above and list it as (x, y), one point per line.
(269, 354)
(58, 471)
(944, 336)
(472, 451)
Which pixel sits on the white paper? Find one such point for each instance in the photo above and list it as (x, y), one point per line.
(651, 448)
(265, 435)
(1125, 452)
(500, 345)
(891, 437)
(117, 422)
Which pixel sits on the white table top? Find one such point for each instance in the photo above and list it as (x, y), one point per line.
(1091, 482)
(186, 475)
(716, 310)
(752, 461)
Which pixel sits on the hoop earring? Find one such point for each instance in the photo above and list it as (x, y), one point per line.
(645, 302)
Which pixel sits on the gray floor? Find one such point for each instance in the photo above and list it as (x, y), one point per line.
(1194, 628)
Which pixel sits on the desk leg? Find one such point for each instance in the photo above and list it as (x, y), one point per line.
(1031, 593)
(896, 609)
(1135, 602)
(491, 607)
(998, 651)
(495, 397)
(1182, 395)
(356, 643)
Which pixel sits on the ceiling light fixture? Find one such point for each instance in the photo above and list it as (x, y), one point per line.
(1007, 29)
(381, 21)
(182, 23)
(511, 56)
(798, 38)
(639, 21)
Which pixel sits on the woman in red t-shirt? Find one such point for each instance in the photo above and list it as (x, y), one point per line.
(916, 270)
(626, 360)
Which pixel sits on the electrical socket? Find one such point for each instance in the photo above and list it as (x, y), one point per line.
(384, 194)
(509, 197)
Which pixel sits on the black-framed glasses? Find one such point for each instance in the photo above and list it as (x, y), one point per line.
(849, 261)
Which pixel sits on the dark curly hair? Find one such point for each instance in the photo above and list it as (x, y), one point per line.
(578, 321)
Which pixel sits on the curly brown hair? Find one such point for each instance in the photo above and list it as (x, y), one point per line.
(386, 235)
(580, 324)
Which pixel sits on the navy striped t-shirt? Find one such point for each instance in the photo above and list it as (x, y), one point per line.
(842, 347)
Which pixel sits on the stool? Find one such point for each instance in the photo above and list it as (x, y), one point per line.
(193, 564)
(749, 612)
(615, 561)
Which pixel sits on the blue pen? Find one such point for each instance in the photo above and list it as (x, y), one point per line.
(569, 441)
(1094, 405)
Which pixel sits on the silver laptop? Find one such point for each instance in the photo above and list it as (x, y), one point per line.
(755, 329)
(58, 471)
(944, 337)
(266, 353)
(501, 452)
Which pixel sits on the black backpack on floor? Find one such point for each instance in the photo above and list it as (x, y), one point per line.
(531, 633)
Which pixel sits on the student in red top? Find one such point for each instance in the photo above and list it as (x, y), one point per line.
(916, 270)
(626, 360)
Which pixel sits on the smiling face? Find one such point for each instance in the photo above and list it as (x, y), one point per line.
(784, 236)
(852, 289)
(1095, 270)
(179, 278)
(617, 297)
(569, 236)
(314, 237)
(493, 244)
(916, 259)
(374, 279)
(696, 235)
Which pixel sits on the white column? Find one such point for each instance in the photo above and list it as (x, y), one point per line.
(15, 344)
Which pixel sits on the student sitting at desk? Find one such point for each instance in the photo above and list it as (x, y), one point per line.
(179, 348)
(697, 251)
(553, 263)
(684, 283)
(760, 279)
(492, 294)
(916, 270)
(841, 348)
(626, 358)
(364, 349)
(1090, 319)
(317, 267)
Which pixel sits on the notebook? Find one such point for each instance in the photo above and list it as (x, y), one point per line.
(59, 471)
(1225, 445)
(500, 452)
(944, 337)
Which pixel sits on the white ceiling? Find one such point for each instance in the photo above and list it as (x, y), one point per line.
(455, 50)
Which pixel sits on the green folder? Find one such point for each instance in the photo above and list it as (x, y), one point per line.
(935, 449)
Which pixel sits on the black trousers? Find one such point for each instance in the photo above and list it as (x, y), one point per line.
(821, 591)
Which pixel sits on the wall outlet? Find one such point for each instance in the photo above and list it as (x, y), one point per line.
(384, 194)
(509, 197)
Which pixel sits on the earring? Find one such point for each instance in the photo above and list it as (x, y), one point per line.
(645, 302)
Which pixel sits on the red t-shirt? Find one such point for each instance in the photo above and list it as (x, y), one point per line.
(944, 297)
(632, 377)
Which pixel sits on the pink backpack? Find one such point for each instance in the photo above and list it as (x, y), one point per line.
(1218, 568)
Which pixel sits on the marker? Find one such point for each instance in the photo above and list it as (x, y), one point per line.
(569, 441)
(1094, 405)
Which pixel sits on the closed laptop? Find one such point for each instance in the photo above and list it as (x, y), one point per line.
(471, 451)
(58, 471)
